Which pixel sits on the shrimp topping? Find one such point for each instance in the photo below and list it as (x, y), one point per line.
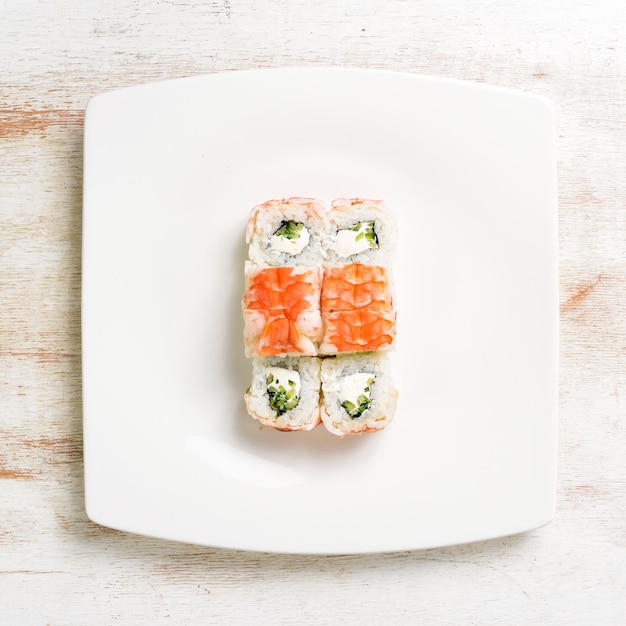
(356, 286)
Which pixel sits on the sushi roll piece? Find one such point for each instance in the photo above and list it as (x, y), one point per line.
(286, 232)
(357, 331)
(357, 394)
(357, 307)
(282, 288)
(359, 231)
(281, 310)
(285, 392)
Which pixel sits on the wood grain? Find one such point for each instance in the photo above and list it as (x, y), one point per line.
(58, 568)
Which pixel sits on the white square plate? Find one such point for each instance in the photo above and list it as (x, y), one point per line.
(172, 170)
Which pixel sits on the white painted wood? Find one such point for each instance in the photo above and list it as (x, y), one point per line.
(58, 568)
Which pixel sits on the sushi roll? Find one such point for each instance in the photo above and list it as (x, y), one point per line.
(359, 231)
(285, 392)
(286, 232)
(281, 310)
(357, 307)
(282, 288)
(318, 284)
(357, 331)
(357, 393)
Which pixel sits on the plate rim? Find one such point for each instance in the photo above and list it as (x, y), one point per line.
(316, 69)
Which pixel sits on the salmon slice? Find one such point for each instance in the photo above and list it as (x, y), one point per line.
(356, 287)
(357, 331)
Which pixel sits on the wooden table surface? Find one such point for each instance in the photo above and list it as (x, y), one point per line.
(56, 567)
